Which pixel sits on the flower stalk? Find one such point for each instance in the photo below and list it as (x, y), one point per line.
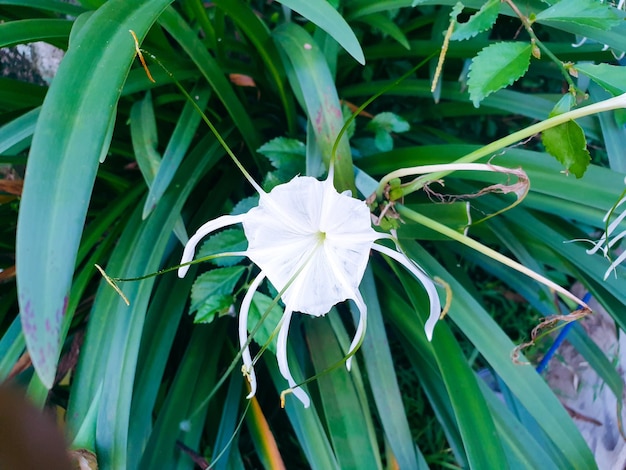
(494, 147)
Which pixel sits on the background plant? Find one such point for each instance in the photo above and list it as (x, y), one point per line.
(119, 168)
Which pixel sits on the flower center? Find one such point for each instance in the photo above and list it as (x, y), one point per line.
(320, 236)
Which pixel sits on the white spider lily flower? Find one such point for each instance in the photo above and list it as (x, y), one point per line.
(313, 244)
(608, 239)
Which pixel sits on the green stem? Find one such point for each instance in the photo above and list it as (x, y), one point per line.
(535, 40)
(367, 102)
(495, 147)
(447, 231)
(208, 123)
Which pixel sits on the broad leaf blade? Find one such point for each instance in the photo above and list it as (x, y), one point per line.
(326, 17)
(480, 21)
(610, 77)
(383, 381)
(177, 146)
(567, 143)
(313, 83)
(212, 293)
(262, 305)
(581, 12)
(346, 415)
(62, 167)
(25, 31)
(496, 67)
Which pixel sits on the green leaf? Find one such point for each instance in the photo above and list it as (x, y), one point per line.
(143, 130)
(229, 240)
(62, 166)
(259, 34)
(386, 25)
(496, 67)
(480, 21)
(25, 31)
(112, 345)
(306, 422)
(259, 306)
(185, 401)
(383, 141)
(610, 77)
(388, 122)
(178, 145)
(286, 155)
(314, 86)
(588, 13)
(344, 406)
(176, 26)
(212, 293)
(49, 5)
(323, 15)
(15, 135)
(382, 125)
(567, 143)
(564, 105)
(383, 381)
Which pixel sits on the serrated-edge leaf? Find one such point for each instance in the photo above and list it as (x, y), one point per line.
(383, 141)
(497, 66)
(389, 122)
(212, 289)
(480, 21)
(229, 240)
(280, 150)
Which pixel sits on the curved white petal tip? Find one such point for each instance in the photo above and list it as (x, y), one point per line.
(247, 368)
(283, 365)
(207, 228)
(429, 285)
(248, 372)
(360, 329)
(430, 324)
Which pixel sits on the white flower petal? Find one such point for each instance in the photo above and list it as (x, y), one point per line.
(615, 264)
(435, 305)
(248, 367)
(296, 228)
(360, 329)
(202, 232)
(281, 357)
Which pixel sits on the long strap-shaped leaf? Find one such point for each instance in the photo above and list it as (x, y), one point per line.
(69, 138)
